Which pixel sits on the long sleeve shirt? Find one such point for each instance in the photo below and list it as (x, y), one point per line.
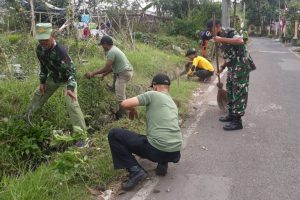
(56, 64)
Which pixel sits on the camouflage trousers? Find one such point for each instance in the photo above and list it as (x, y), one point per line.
(237, 87)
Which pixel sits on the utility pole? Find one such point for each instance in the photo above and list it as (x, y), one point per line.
(225, 16)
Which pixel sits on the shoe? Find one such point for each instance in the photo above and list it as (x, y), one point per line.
(121, 113)
(235, 124)
(82, 143)
(27, 119)
(227, 118)
(161, 169)
(136, 174)
(206, 80)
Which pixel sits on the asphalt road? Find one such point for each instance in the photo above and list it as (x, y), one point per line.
(260, 162)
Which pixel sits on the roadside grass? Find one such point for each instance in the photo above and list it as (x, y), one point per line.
(66, 174)
(66, 177)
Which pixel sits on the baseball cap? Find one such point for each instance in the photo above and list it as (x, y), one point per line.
(106, 40)
(160, 79)
(43, 31)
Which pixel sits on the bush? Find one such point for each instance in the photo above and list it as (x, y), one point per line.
(22, 147)
(13, 39)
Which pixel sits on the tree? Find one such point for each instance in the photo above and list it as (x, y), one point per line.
(176, 8)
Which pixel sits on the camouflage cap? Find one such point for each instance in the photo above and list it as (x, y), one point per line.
(43, 31)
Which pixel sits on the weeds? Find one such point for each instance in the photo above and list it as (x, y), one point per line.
(66, 173)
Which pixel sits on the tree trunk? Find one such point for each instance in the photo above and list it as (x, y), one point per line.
(189, 9)
(32, 30)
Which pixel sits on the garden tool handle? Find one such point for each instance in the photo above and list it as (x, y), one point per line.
(217, 61)
(216, 48)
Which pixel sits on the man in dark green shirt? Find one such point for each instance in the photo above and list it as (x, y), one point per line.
(163, 139)
(56, 70)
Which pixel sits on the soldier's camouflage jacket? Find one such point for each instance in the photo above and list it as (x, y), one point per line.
(56, 64)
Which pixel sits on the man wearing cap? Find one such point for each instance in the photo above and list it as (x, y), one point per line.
(117, 63)
(237, 62)
(162, 141)
(56, 70)
(201, 67)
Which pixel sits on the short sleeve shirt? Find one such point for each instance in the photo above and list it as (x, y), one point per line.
(163, 131)
(120, 61)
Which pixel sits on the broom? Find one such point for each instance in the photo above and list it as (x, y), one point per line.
(222, 94)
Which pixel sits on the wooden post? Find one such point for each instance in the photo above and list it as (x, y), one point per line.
(32, 30)
(296, 29)
(295, 38)
(8, 24)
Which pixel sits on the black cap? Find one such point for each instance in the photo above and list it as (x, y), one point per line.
(160, 79)
(190, 52)
(210, 23)
(106, 40)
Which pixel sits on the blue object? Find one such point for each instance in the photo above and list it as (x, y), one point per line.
(85, 18)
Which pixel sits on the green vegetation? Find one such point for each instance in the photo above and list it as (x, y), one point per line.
(32, 165)
(41, 162)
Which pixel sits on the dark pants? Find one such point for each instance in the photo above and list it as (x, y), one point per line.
(203, 74)
(124, 143)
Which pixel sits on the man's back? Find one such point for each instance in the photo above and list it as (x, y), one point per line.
(120, 61)
(203, 63)
(163, 131)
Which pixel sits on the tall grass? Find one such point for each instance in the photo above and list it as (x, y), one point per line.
(65, 175)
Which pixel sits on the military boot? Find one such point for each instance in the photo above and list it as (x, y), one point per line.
(121, 113)
(235, 124)
(227, 118)
(136, 174)
(161, 169)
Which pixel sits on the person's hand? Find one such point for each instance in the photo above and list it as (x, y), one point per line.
(133, 114)
(71, 94)
(43, 88)
(217, 39)
(89, 75)
(101, 76)
(220, 71)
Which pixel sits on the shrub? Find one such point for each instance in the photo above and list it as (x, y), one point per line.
(13, 39)
(22, 147)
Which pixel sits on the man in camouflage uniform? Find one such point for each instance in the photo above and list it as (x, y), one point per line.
(56, 70)
(237, 62)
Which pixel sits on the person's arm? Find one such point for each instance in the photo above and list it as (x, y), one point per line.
(70, 71)
(104, 71)
(193, 68)
(222, 68)
(130, 104)
(186, 68)
(68, 66)
(233, 41)
(140, 100)
(43, 71)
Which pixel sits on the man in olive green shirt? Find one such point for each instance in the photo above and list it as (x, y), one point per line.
(117, 63)
(163, 139)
